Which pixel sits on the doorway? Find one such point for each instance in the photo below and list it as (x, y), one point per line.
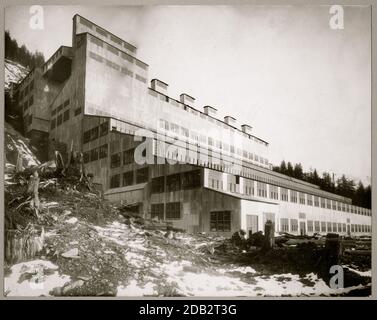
(251, 224)
(302, 228)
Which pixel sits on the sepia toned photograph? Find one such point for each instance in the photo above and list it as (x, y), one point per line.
(187, 151)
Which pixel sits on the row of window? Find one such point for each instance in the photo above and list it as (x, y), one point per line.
(116, 66)
(303, 198)
(63, 117)
(221, 124)
(96, 153)
(200, 138)
(117, 52)
(176, 182)
(104, 33)
(60, 107)
(292, 225)
(96, 132)
(142, 176)
(173, 211)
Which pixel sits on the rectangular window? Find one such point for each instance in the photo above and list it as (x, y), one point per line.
(158, 185)
(66, 103)
(334, 205)
(103, 151)
(86, 157)
(157, 211)
(294, 225)
(94, 134)
(142, 175)
(191, 179)
(66, 115)
(127, 57)
(94, 154)
(173, 182)
(302, 197)
(323, 226)
(316, 226)
(53, 123)
(112, 50)
(316, 201)
(339, 227)
(86, 137)
(329, 228)
(274, 192)
(220, 221)
(115, 160)
(284, 226)
(334, 227)
(103, 128)
(128, 178)
(31, 101)
(173, 211)
(101, 31)
(262, 189)
(328, 203)
(310, 226)
(141, 64)
(283, 194)
(140, 78)
(127, 72)
(60, 120)
(309, 199)
(115, 181)
(293, 196)
(323, 203)
(77, 111)
(128, 156)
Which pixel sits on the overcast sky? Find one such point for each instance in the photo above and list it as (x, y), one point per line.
(303, 87)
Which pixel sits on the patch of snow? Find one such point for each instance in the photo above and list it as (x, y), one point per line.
(227, 285)
(50, 204)
(134, 290)
(72, 220)
(39, 284)
(360, 273)
(14, 73)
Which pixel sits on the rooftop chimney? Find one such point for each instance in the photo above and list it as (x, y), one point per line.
(186, 99)
(159, 86)
(230, 120)
(211, 111)
(246, 128)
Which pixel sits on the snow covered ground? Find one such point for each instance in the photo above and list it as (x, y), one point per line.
(14, 72)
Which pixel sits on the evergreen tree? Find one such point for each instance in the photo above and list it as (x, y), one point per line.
(289, 169)
(283, 167)
(298, 172)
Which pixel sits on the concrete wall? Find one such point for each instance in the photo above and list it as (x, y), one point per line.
(70, 131)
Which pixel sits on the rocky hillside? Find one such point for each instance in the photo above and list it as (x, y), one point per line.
(17, 148)
(14, 73)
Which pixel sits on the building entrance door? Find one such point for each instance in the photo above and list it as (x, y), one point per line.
(251, 224)
(302, 228)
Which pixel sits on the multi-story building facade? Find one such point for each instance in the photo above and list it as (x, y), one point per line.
(163, 157)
